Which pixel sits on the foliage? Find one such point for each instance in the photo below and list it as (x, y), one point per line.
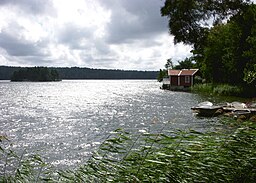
(188, 20)
(161, 75)
(225, 89)
(203, 88)
(185, 64)
(228, 53)
(250, 75)
(22, 167)
(250, 53)
(220, 62)
(169, 64)
(164, 73)
(35, 74)
(221, 89)
(163, 156)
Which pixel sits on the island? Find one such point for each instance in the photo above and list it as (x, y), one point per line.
(39, 74)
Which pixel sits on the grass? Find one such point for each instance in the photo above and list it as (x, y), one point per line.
(221, 89)
(166, 156)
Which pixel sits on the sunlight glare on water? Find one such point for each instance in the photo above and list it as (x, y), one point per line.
(65, 121)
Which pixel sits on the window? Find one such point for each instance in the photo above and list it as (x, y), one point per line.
(187, 79)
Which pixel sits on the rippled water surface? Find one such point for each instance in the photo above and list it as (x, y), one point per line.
(65, 121)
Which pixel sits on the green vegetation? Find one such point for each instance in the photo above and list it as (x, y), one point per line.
(224, 50)
(35, 74)
(220, 89)
(162, 74)
(167, 156)
(185, 64)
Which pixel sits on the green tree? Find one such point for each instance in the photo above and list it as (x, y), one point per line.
(229, 51)
(220, 64)
(169, 64)
(248, 24)
(189, 20)
(35, 74)
(185, 64)
(161, 75)
(164, 73)
(250, 75)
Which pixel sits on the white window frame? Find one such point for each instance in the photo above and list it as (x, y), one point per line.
(187, 79)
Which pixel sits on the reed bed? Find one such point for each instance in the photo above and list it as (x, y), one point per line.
(164, 156)
(218, 89)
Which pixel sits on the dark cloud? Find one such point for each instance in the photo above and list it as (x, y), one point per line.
(23, 51)
(134, 20)
(75, 37)
(19, 47)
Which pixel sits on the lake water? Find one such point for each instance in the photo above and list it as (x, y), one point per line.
(65, 121)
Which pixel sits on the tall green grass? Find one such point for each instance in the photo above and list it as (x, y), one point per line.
(221, 89)
(165, 156)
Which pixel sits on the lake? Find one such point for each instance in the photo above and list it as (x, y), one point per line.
(66, 121)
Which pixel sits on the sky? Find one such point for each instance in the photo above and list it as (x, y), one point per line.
(106, 34)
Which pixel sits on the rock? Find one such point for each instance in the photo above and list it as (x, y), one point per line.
(219, 111)
(241, 118)
(253, 118)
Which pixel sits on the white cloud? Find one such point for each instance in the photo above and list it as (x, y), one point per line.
(127, 34)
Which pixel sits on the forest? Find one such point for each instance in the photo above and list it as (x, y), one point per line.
(6, 73)
(35, 74)
(222, 35)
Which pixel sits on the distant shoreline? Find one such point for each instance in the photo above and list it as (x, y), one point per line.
(78, 73)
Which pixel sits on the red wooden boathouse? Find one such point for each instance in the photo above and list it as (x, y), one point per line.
(181, 79)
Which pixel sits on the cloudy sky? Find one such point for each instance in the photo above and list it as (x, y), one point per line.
(109, 34)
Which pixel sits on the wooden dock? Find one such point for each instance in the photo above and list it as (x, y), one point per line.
(231, 109)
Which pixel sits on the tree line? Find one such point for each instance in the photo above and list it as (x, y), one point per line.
(35, 74)
(222, 34)
(6, 73)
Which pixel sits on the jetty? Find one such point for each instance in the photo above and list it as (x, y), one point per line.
(234, 109)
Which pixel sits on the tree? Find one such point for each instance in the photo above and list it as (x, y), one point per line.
(221, 59)
(164, 73)
(169, 64)
(161, 75)
(189, 20)
(35, 74)
(229, 51)
(250, 75)
(248, 23)
(185, 64)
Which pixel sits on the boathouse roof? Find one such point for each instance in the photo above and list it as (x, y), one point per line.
(183, 72)
(172, 72)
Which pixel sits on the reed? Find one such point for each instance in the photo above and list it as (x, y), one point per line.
(218, 89)
(165, 156)
(225, 89)
(203, 88)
